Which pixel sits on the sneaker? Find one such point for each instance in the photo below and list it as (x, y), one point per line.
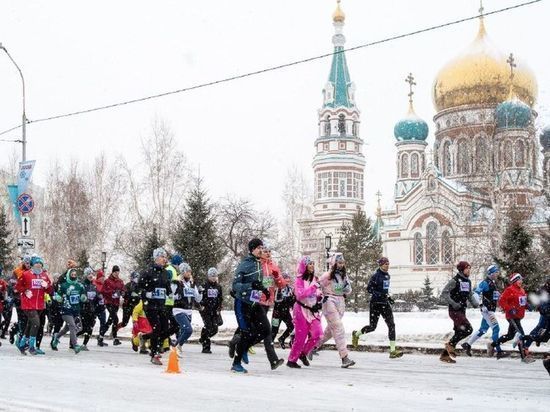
(282, 343)
(84, 348)
(238, 368)
(450, 349)
(144, 351)
(528, 359)
(394, 354)
(116, 342)
(100, 341)
(304, 360)
(155, 360)
(502, 354)
(245, 358)
(467, 348)
(77, 349)
(251, 350)
(36, 351)
(12, 336)
(310, 355)
(135, 347)
(206, 350)
(347, 362)
(445, 357)
(276, 364)
(179, 351)
(293, 365)
(55, 342)
(490, 350)
(355, 335)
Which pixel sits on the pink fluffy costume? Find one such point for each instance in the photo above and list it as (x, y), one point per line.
(307, 322)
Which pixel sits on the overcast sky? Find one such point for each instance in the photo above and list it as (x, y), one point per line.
(243, 134)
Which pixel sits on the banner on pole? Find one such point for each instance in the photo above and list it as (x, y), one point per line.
(13, 192)
(24, 175)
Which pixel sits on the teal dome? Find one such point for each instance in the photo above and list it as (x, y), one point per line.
(545, 137)
(411, 127)
(513, 114)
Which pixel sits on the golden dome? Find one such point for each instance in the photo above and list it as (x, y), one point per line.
(481, 75)
(338, 16)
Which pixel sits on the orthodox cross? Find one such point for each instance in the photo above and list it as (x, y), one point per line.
(410, 80)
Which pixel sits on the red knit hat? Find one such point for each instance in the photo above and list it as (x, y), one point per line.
(462, 265)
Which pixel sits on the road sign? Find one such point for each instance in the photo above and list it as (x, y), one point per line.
(25, 243)
(26, 226)
(25, 203)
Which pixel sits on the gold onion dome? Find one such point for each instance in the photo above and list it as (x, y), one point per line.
(338, 16)
(480, 75)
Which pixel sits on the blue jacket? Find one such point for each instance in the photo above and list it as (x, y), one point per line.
(489, 293)
(248, 271)
(379, 286)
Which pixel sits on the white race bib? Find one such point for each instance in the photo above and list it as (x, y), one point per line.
(36, 284)
(159, 293)
(189, 292)
(91, 295)
(464, 286)
(496, 295)
(212, 293)
(74, 299)
(255, 296)
(523, 300)
(386, 284)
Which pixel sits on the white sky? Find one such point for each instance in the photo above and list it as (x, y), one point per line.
(246, 133)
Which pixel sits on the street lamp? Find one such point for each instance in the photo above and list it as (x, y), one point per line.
(103, 260)
(328, 245)
(24, 123)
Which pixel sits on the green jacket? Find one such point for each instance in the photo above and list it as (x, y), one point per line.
(248, 271)
(72, 294)
(174, 273)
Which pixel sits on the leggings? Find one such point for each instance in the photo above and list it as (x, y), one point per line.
(210, 320)
(113, 320)
(6, 314)
(334, 309)
(462, 326)
(32, 324)
(281, 314)
(375, 310)
(88, 322)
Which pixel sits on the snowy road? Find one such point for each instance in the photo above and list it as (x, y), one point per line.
(116, 378)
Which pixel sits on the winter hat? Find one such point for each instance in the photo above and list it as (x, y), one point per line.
(212, 273)
(88, 271)
(254, 243)
(37, 259)
(134, 275)
(491, 270)
(176, 260)
(115, 269)
(26, 259)
(514, 277)
(159, 252)
(462, 265)
(383, 261)
(302, 265)
(184, 267)
(286, 275)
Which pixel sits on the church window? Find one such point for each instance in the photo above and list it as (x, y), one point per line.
(327, 126)
(447, 159)
(463, 154)
(520, 153)
(482, 161)
(432, 245)
(447, 247)
(342, 187)
(405, 165)
(342, 124)
(414, 165)
(507, 155)
(418, 249)
(355, 129)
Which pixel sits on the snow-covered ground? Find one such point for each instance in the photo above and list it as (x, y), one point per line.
(115, 378)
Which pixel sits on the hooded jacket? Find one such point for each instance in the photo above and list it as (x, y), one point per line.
(513, 301)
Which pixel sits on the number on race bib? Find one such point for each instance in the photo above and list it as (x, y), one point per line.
(496, 295)
(36, 284)
(91, 295)
(523, 300)
(188, 292)
(74, 299)
(386, 284)
(159, 293)
(212, 293)
(255, 296)
(464, 286)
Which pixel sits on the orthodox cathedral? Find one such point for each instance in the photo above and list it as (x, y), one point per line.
(449, 199)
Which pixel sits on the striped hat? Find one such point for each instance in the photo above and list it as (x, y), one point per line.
(514, 277)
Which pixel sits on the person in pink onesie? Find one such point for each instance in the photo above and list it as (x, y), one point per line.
(307, 313)
(335, 286)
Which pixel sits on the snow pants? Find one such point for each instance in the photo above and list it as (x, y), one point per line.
(307, 334)
(281, 314)
(333, 310)
(462, 326)
(375, 310)
(489, 321)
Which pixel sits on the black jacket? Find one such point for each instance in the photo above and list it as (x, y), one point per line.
(212, 297)
(379, 286)
(155, 286)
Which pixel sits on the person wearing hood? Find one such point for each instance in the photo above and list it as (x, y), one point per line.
(131, 298)
(98, 282)
(307, 313)
(186, 296)
(88, 308)
(33, 285)
(210, 309)
(155, 285)
(456, 293)
(70, 295)
(336, 286)
(113, 288)
(513, 302)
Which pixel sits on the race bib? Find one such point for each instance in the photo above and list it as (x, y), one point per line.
(523, 300)
(36, 284)
(189, 292)
(339, 288)
(115, 295)
(275, 322)
(464, 286)
(386, 284)
(267, 282)
(101, 300)
(496, 295)
(212, 293)
(74, 299)
(255, 296)
(159, 293)
(91, 295)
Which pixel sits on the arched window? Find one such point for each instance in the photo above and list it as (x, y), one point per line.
(432, 245)
(507, 155)
(342, 124)
(463, 156)
(447, 160)
(482, 160)
(414, 165)
(418, 249)
(446, 247)
(327, 126)
(520, 153)
(405, 165)
(355, 129)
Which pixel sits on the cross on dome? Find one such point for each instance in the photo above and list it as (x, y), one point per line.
(410, 80)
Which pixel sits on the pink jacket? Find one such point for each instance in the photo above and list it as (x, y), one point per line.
(335, 287)
(306, 292)
(272, 280)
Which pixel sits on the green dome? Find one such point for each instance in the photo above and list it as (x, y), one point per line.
(411, 127)
(545, 137)
(513, 114)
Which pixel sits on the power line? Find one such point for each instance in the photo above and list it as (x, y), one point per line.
(273, 68)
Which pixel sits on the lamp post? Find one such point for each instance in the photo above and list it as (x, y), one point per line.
(328, 245)
(103, 260)
(24, 122)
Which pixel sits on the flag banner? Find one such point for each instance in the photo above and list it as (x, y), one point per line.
(24, 175)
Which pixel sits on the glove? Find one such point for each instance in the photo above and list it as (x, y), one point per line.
(484, 309)
(58, 297)
(201, 289)
(28, 293)
(513, 312)
(83, 298)
(148, 295)
(390, 300)
(317, 307)
(176, 296)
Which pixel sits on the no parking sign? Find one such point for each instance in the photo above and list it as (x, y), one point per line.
(25, 203)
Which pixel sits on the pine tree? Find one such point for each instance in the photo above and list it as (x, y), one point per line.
(427, 299)
(361, 248)
(195, 236)
(143, 257)
(83, 263)
(6, 242)
(517, 254)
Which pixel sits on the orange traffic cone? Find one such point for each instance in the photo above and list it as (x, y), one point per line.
(173, 362)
